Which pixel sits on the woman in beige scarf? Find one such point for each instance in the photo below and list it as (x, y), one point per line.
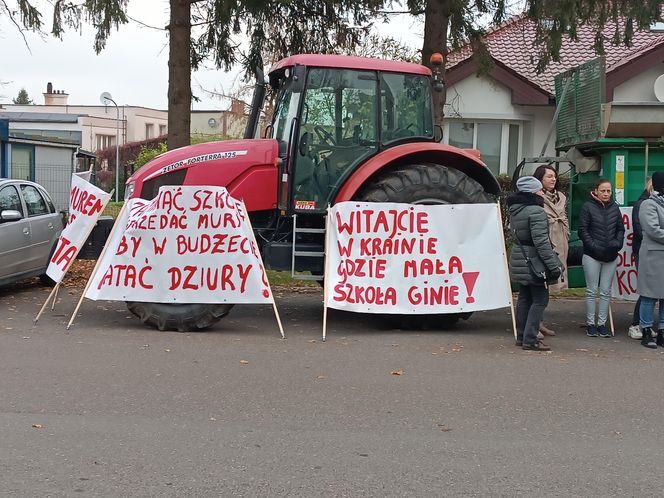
(555, 206)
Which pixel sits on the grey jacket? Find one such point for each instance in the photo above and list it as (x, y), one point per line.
(531, 227)
(651, 254)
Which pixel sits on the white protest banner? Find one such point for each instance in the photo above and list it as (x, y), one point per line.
(624, 285)
(190, 244)
(86, 203)
(401, 258)
(85, 175)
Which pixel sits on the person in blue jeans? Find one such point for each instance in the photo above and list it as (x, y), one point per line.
(602, 232)
(651, 263)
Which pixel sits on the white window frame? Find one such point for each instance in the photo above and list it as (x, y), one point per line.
(103, 141)
(504, 138)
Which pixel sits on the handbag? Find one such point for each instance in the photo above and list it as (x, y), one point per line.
(536, 266)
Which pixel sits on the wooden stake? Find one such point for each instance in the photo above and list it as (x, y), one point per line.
(325, 273)
(54, 290)
(101, 256)
(613, 332)
(71, 262)
(55, 298)
(509, 284)
(269, 288)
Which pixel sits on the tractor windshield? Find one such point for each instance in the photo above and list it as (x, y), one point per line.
(343, 117)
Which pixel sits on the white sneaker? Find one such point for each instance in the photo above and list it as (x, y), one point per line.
(634, 332)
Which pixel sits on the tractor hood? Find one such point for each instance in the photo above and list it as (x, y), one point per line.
(247, 168)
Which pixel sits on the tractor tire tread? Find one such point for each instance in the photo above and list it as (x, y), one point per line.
(180, 317)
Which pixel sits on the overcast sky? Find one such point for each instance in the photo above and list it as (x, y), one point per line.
(133, 67)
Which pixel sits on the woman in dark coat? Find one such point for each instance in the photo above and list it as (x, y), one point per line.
(602, 232)
(651, 263)
(637, 237)
(531, 229)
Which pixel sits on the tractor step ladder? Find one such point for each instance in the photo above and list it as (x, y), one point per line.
(310, 254)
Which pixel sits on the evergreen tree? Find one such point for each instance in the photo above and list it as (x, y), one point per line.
(448, 24)
(277, 28)
(22, 97)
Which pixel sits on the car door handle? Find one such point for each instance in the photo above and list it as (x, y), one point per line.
(50, 225)
(26, 231)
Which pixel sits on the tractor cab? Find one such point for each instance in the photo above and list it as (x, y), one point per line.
(333, 113)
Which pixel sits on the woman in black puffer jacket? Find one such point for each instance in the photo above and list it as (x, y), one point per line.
(602, 232)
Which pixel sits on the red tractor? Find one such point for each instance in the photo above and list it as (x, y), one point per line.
(344, 128)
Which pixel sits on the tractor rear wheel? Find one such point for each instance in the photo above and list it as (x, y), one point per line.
(425, 184)
(180, 317)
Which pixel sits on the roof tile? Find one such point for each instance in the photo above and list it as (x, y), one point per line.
(512, 44)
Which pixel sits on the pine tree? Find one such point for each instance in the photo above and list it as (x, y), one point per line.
(277, 28)
(23, 98)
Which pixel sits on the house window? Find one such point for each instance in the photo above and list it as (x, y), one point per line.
(498, 142)
(162, 130)
(149, 130)
(105, 141)
(513, 158)
(462, 135)
(22, 165)
(489, 141)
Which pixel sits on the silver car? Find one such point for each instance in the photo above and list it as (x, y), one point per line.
(29, 230)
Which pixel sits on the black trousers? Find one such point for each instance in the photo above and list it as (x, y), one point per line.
(530, 307)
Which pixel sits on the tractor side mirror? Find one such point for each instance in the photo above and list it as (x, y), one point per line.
(438, 133)
(303, 146)
(299, 77)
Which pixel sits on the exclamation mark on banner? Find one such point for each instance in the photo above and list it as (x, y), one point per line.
(470, 278)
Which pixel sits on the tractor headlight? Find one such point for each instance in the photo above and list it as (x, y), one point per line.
(129, 190)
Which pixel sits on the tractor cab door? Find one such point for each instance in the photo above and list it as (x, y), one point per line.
(337, 132)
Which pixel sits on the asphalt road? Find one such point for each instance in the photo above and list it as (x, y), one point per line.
(110, 408)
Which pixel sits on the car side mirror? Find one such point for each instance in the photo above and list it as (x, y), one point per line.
(10, 215)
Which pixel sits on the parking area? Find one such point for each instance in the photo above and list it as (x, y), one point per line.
(110, 408)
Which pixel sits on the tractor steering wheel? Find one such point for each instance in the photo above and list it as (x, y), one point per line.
(326, 137)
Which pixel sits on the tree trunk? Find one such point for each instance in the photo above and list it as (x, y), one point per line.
(179, 75)
(436, 22)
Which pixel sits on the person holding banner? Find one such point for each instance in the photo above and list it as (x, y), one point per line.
(602, 232)
(651, 263)
(555, 207)
(532, 249)
(637, 237)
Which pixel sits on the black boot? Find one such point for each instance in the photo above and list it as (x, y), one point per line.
(648, 340)
(660, 337)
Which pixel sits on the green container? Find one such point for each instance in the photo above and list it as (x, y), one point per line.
(625, 162)
(575, 277)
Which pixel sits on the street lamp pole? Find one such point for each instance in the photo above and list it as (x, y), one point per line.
(105, 99)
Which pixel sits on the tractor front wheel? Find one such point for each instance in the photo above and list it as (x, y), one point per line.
(425, 184)
(180, 317)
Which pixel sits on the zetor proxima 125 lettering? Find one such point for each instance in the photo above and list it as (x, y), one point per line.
(344, 128)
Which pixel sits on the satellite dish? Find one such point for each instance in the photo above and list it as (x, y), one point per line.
(105, 98)
(659, 88)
